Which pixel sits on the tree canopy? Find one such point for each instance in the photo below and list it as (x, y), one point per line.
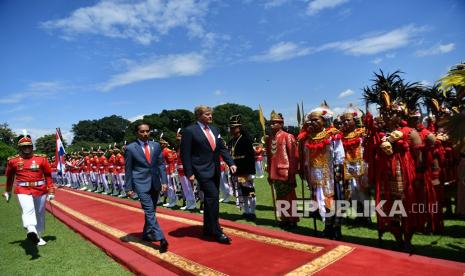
(47, 144)
(7, 135)
(105, 130)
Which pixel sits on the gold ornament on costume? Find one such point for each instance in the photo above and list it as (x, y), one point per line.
(386, 98)
(276, 117)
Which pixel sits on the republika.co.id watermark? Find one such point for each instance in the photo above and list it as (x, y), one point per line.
(343, 208)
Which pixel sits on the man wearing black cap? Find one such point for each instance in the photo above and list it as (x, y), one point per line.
(241, 149)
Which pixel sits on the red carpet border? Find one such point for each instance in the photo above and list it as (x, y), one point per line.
(115, 226)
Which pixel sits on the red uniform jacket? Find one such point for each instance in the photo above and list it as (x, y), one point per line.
(33, 169)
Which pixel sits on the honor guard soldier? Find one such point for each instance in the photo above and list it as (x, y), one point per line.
(170, 161)
(187, 187)
(30, 174)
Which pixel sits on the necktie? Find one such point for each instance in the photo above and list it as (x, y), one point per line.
(147, 152)
(210, 138)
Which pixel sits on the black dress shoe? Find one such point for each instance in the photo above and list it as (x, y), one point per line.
(163, 246)
(222, 238)
(33, 237)
(149, 237)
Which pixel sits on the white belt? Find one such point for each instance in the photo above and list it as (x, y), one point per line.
(31, 184)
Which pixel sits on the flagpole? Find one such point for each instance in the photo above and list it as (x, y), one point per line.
(300, 124)
(262, 123)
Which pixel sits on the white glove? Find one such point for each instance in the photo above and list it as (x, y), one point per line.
(7, 196)
(50, 197)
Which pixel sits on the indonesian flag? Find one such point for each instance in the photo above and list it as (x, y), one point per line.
(60, 154)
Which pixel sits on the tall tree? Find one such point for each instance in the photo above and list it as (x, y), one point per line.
(167, 122)
(105, 130)
(5, 152)
(7, 135)
(249, 118)
(47, 144)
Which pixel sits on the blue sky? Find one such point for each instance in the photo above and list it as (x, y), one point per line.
(65, 61)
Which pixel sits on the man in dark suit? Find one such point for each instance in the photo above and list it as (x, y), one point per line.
(145, 174)
(201, 147)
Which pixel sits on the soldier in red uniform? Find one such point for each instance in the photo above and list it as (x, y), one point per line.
(225, 185)
(103, 172)
(258, 149)
(111, 171)
(170, 157)
(31, 175)
(94, 163)
(186, 185)
(119, 171)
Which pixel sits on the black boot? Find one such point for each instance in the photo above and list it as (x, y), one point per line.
(328, 232)
(337, 233)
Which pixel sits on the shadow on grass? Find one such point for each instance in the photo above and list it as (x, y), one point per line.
(32, 249)
(454, 231)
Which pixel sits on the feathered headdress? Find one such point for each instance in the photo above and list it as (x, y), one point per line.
(322, 111)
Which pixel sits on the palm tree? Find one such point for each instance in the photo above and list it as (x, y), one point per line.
(454, 84)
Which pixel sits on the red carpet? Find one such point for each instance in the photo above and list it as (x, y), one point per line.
(115, 225)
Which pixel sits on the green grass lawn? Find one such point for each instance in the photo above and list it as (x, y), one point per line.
(66, 253)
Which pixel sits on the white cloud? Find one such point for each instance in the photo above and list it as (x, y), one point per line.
(161, 68)
(337, 111)
(274, 3)
(23, 119)
(425, 82)
(218, 92)
(283, 51)
(143, 21)
(14, 109)
(346, 93)
(375, 44)
(368, 45)
(391, 55)
(377, 60)
(135, 118)
(34, 90)
(46, 86)
(436, 50)
(316, 6)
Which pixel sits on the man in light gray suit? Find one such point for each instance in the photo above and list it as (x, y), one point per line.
(145, 174)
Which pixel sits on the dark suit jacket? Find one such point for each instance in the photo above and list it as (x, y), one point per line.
(197, 156)
(140, 174)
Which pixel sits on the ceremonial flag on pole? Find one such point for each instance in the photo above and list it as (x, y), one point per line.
(303, 112)
(59, 154)
(299, 118)
(262, 119)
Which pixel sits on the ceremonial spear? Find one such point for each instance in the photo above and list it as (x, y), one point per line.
(262, 123)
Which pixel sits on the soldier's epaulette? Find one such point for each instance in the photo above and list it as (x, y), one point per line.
(40, 155)
(11, 157)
